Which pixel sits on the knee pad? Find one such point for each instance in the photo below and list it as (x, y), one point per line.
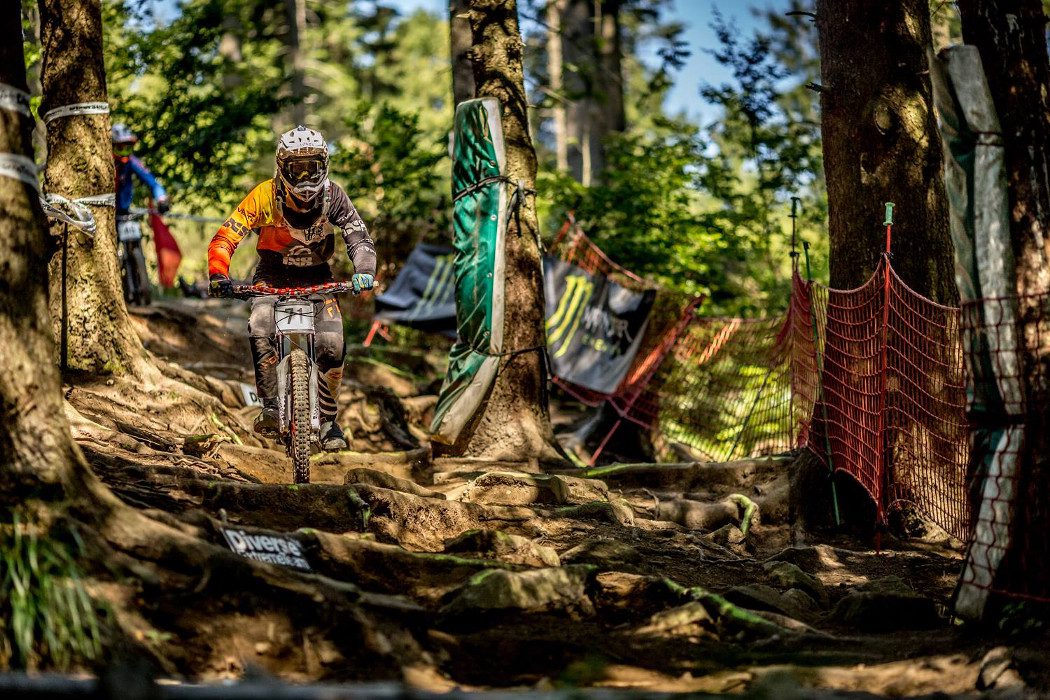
(330, 350)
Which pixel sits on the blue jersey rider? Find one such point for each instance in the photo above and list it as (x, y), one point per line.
(127, 167)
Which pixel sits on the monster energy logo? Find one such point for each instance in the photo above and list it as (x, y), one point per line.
(563, 325)
(437, 285)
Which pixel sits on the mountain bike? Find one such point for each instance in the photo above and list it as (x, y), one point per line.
(133, 275)
(299, 414)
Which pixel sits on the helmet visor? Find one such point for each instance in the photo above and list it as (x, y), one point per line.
(307, 170)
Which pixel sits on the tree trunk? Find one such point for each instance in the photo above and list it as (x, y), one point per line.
(879, 135)
(593, 85)
(577, 25)
(34, 438)
(80, 164)
(462, 71)
(555, 67)
(1010, 35)
(295, 11)
(515, 421)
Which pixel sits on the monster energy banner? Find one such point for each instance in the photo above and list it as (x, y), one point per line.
(594, 326)
(424, 294)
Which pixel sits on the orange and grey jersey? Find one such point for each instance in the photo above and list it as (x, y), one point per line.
(289, 239)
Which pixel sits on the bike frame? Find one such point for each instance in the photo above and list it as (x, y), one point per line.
(294, 323)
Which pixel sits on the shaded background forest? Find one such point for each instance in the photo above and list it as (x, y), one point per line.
(701, 206)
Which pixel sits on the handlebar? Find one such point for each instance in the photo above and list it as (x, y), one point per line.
(246, 291)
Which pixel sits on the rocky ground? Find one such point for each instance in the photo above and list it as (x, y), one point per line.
(446, 574)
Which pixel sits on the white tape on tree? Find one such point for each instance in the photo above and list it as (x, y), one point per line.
(14, 100)
(19, 167)
(79, 109)
(72, 212)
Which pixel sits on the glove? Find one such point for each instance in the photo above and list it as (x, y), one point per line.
(220, 286)
(163, 205)
(361, 282)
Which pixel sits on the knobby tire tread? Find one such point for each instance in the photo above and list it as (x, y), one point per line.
(300, 439)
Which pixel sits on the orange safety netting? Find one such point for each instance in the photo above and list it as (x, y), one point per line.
(883, 382)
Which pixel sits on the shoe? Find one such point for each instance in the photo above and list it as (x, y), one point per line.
(332, 438)
(266, 422)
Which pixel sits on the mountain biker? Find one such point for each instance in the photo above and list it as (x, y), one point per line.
(127, 165)
(294, 213)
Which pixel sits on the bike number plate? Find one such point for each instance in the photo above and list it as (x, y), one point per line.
(294, 317)
(129, 230)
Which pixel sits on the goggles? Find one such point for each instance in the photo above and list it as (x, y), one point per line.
(123, 149)
(301, 171)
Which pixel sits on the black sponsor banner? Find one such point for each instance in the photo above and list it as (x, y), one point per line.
(594, 326)
(423, 294)
(268, 547)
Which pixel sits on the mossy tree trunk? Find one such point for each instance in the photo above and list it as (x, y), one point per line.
(80, 164)
(880, 144)
(515, 419)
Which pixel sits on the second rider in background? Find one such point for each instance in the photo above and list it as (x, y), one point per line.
(294, 213)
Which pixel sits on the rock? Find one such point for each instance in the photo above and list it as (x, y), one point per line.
(698, 515)
(540, 590)
(514, 549)
(692, 615)
(886, 604)
(820, 557)
(730, 537)
(602, 553)
(803, 600)
(374, 477)
(997, 670)
(757, 596)
(622, 595)
(510, 488)
(786, 575)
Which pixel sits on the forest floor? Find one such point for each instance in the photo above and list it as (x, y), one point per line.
(449, 574)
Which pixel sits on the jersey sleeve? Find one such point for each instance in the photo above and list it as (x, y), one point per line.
(247, 216)
(142, 173)
(359, 246)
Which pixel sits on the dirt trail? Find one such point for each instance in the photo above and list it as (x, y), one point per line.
(456, 574)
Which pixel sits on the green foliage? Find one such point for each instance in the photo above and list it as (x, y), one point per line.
(47, 618)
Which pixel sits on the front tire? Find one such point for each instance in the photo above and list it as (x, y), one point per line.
(301, 430)
(142, 291)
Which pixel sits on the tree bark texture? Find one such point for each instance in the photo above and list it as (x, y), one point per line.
(515, 420)
(880, 144)
(80, 164)
(36, 449)
(1010, 35)
(462, 70)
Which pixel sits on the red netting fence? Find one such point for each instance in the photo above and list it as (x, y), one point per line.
(881, 393)
(1009, 498)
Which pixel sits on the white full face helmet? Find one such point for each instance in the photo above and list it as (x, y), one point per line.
(302, 162)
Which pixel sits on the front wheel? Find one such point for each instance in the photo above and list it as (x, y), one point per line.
(142, 290)
(301, 430)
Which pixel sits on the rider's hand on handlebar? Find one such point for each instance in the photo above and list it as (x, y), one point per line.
(163, 205)
(221, 286)
(361, 282)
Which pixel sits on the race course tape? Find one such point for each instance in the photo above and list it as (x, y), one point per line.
(76, 110)
(14, 100)
(19, 167)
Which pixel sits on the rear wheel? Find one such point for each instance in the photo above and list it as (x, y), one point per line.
(300, 430)
(142, 291)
